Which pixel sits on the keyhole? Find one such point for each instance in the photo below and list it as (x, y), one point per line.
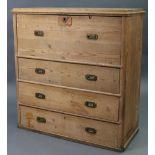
(65, 19)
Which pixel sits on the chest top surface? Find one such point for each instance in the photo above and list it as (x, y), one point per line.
(83, 11)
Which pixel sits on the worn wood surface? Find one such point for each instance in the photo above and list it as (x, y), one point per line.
(71, 88)
(67, 56)
(71, 42)
(16, 62)
(81, 11)
(74, 62)
(69, 101)
(71, 75)
(70, 126)
(132, 48)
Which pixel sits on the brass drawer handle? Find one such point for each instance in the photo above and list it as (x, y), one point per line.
(41, 120)
(90, 130)
(38, 33)
(90, 77)
(90, 104)
(39, 95)
(40, 71)
(92, 36)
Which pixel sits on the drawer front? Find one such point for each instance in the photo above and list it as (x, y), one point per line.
(80, 38)
(71, 75)
(74, 102)
(79, 128)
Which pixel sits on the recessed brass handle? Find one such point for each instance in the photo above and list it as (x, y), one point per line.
(41, 120)
(40, 71)
(90, 104)
(90, 130)
(38, 33)
(92, 36)
(91, 77)
(40, 95)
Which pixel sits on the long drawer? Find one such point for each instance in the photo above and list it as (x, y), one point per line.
(96, 106)
(96, 132)
(86, 39)
(71, 75)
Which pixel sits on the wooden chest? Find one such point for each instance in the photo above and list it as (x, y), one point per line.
(78, 73)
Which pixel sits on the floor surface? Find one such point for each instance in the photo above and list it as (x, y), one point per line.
(22, 142)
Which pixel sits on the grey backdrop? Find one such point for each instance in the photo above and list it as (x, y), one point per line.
(21, 142)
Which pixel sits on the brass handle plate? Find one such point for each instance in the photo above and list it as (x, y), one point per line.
(92, 36)
(40, 71)
(90, 77)
(40, 95)
(90, 130)
(38, 33)
(41, 120)
(90, 104)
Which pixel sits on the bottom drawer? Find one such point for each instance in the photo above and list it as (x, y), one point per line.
(77, 128)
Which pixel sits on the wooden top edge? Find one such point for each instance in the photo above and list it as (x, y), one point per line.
(110, 11)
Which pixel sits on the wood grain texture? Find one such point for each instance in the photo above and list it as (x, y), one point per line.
(70, 43)
(73, 62)
(72, 102)
(70, 126)
(16, 62)
(67, 56)
(122, 86)
(81, 11)
(71, 75)
(71, 88)
(133, 49)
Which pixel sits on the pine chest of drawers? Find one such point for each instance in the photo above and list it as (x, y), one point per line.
(78, 73)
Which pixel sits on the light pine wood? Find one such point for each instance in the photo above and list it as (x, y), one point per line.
(67, 56)
(74, 62)
(70, 126)
(81, 11)
(133, 49)
(71, 75)
(71, 88)
(70, 42)
(16, 62)
(72, 102)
